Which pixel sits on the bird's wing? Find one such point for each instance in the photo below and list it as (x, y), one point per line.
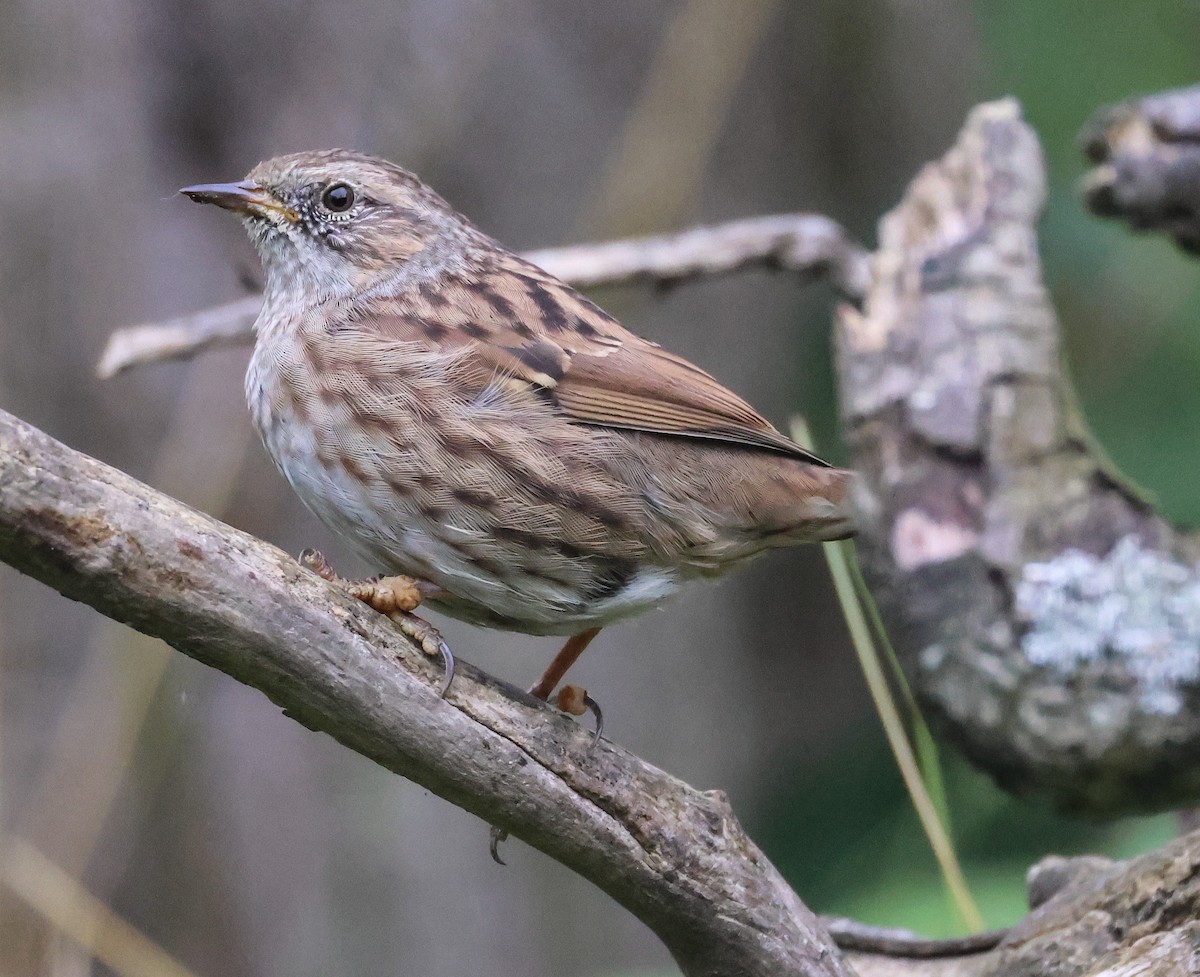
(520, 322)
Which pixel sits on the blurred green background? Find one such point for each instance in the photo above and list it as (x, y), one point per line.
(845, 834)
(1128, 304)
(244, 844)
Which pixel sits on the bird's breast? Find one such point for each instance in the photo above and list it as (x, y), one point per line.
(482, 490)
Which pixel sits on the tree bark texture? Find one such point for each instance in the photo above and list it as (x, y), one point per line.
(1146, 153)
(674, 856)
(1047, 616)
(1090, 917)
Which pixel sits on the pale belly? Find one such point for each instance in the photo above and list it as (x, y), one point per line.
(395, 532)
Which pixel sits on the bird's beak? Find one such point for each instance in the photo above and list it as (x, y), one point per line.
(246, 197)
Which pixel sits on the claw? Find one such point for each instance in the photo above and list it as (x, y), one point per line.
(448, 665)
(495, 837)
(594, 707)
(575, 701)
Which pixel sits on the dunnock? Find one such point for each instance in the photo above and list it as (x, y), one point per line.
(463, 418)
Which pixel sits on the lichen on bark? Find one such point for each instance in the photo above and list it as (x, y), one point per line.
(997, 535)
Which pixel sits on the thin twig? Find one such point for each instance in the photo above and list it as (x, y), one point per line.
(180, 338)
(855, 937)
(808, 245)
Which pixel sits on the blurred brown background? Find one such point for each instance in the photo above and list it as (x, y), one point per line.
(247, 845)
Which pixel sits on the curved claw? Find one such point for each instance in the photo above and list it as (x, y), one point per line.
(448, 664)
(594, 708)
(575, 701)
(495, 837)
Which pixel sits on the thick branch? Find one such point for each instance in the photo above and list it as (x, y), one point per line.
(674, 856)
(1091, 917)
(807, 245)
(1045, 612)
(1119, 919)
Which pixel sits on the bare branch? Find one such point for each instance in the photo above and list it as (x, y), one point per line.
(807, 245)
(855, 937)
(1042, 608)
(180, 338)
(674, 856)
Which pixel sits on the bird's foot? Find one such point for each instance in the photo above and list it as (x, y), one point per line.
(395, 597)
(570, 698)
(575, 700)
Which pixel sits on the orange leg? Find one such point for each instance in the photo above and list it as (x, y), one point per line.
(562, 661)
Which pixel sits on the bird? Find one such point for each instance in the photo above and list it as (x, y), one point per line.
(501, 447)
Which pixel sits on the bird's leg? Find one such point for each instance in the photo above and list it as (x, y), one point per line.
(566, 657)
(396, 598)
(571, 698)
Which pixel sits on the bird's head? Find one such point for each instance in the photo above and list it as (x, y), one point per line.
(336, 222)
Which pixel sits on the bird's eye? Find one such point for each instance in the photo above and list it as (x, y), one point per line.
(338, 198)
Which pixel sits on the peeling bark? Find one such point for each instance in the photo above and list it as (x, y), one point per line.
(1047, 615)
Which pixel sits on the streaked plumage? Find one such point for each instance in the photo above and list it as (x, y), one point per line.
(461, 416)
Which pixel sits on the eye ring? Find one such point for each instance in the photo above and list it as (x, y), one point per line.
(337, 198)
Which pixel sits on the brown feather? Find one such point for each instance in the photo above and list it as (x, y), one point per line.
(519, 321)
(459, 415)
